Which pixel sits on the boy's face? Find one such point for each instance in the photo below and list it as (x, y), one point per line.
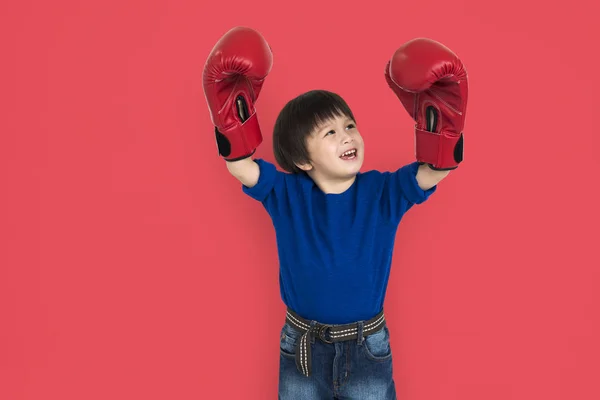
(328, 148)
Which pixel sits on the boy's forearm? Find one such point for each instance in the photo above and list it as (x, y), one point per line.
(237, 167)
(428, 178)
(246, 171)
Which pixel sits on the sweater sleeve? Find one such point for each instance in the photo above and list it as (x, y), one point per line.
(402, 191)
(266, 181)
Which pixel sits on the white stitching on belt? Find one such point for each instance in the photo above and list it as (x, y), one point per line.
(377, 322)
(368, 327)
(352, 332)
(300, 323)
(343, 331)
(303, 355)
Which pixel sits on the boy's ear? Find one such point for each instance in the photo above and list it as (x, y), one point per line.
(304, 166)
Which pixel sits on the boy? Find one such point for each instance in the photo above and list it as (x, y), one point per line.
(335, 225)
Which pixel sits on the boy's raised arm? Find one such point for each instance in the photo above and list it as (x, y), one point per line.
(245, 170)
(233, 77)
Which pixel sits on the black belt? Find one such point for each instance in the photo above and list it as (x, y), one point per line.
(326, 333)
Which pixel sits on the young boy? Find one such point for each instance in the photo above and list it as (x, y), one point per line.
(335, 225)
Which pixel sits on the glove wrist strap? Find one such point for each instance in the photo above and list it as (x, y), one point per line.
(442, 150)
(240, 141)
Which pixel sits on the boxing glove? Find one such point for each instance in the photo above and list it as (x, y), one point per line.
(233, 77)
(431, 82)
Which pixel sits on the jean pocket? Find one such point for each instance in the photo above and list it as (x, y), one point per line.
(288, 339)
(377, 345)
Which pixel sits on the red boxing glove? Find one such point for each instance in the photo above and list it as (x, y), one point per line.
(233, 76)
(431, 83)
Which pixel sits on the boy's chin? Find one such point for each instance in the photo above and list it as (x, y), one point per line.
(352, 165)
(353, 170)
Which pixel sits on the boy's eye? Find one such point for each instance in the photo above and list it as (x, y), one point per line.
(333, 131)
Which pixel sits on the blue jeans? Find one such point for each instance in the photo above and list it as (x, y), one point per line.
(353, 369)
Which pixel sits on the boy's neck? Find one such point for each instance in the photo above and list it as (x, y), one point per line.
(332, 186)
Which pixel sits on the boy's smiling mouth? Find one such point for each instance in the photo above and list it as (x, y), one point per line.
(349, 155)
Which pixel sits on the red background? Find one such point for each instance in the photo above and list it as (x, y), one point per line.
(127, 250)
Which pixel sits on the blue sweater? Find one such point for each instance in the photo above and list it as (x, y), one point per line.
(335, 250)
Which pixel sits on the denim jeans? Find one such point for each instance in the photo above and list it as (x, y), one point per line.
(353, 369)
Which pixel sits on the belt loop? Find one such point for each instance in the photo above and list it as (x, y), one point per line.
(312, 329)
(360, 337)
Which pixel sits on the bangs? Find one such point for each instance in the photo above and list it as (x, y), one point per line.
(318, 108)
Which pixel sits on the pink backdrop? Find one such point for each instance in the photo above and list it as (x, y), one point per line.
(126, 248)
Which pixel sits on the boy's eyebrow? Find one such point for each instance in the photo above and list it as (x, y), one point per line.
(324, 126)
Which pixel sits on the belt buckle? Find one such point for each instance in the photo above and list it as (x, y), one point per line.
(322, 333)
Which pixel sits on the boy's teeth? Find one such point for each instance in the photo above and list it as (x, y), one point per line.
(348, 153)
